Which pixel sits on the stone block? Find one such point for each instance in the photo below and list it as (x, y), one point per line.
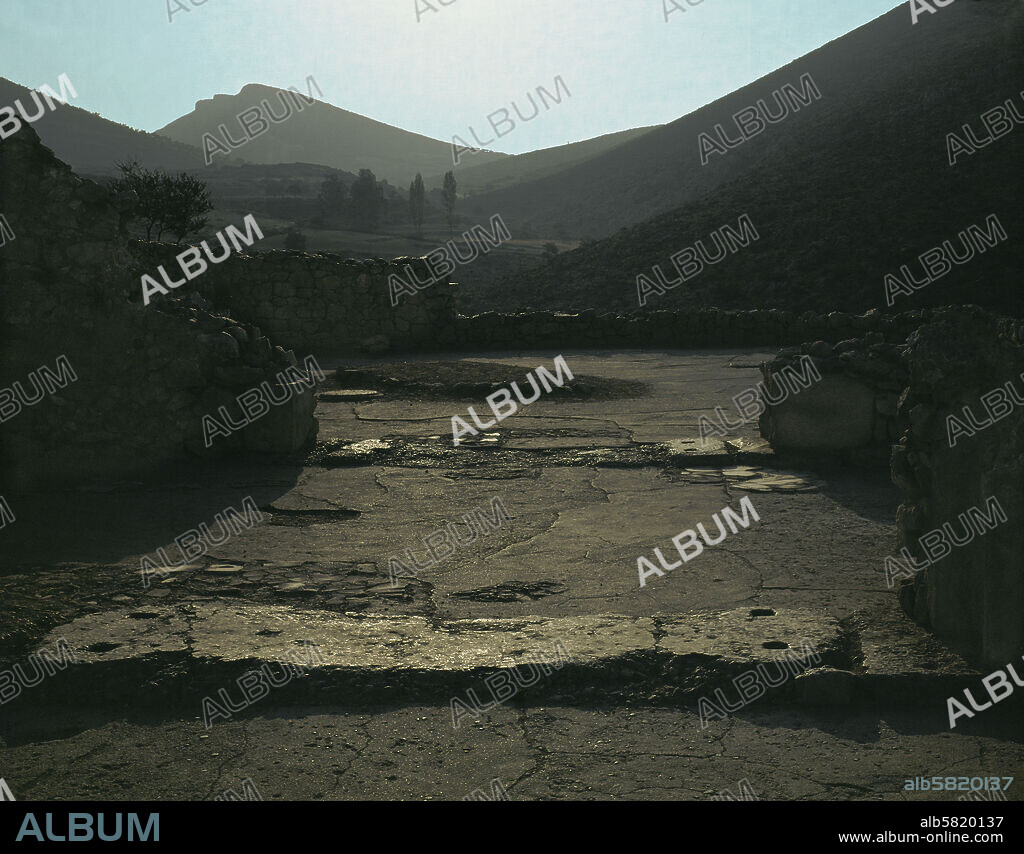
(288, 427)
(836, 412)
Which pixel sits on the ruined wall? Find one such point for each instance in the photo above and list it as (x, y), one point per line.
(874, 392)
(854, 404)
(973, 597)
(318, 303)
(144, 378)
(328, 305)
(676, 329)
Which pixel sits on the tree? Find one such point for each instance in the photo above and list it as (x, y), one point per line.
(145, 184)
(187, 202)
(417, 203)
(549, 250)
(164, 202)
(367, 200)
(449, 196)
(332, 198)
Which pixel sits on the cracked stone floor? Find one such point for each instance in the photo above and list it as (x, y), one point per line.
(303, 753)
(590, 485)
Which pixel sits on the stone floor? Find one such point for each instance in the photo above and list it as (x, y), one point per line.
(590, 484)
(544, 752)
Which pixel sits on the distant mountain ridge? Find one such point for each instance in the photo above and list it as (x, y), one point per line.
(93, 145)
(317, 133)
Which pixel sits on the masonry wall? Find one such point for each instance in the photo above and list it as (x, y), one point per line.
(676, 329)
(317, 303)
(875, 395)
(329, 305)
(851, 401)
(145, 377)
(974, 597)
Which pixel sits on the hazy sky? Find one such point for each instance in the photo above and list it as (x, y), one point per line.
(624, 64)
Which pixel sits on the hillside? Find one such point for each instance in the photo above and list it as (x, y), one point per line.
(888, 72)
(318, 133)
(477, 178)
(91, 144)
(866, 188)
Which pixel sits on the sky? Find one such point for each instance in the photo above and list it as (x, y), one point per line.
(625, 63)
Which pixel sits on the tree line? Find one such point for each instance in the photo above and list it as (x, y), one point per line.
(177, 205)
(363, 204)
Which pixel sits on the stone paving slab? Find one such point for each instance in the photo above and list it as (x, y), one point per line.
(897, 665)
(748, 636)
(249, 633)
(402, 658)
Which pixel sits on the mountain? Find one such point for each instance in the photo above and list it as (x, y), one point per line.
(317, 133)
(888, 72)
(842, 194)
(476, 178)
(91, 144)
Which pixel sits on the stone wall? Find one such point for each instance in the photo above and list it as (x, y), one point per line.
(329, 305)
(973, 597)
(144, 379)
(318, 303)
(949, 462)
(676, 329)
(854, 404)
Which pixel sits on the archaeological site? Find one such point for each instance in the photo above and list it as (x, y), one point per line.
(659, 436)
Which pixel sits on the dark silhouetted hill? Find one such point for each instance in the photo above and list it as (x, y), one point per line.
(481, 178)
(842, 193)
(91, 144)
(888, 74)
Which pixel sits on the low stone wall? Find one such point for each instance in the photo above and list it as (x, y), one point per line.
(854, 404)
(676, 329)
(317, 303)
(329, 305)
(141, 379)
(972, 596)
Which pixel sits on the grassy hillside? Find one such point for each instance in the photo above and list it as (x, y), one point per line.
(904, 79)
(868, 188)
(482, 178)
